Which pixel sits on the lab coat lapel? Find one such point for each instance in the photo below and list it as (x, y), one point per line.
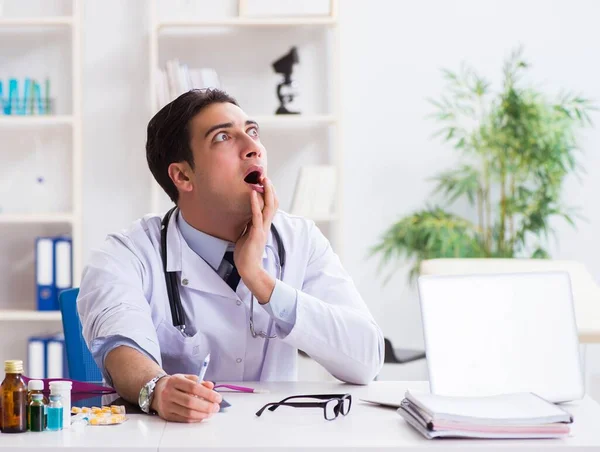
(201, 276)
(196, 274)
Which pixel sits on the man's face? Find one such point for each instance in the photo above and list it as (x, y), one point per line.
(229, 158)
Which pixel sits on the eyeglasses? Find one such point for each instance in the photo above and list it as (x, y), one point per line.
(333, 404)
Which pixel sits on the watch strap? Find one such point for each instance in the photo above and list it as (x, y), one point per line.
(149, 387)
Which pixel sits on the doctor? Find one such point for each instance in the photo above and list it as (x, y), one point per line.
(224, 272)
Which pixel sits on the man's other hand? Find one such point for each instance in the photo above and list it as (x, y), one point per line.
(180, 398)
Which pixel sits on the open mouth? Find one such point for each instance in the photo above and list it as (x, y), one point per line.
(253, 179)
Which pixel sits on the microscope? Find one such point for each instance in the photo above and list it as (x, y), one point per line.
(286, 90)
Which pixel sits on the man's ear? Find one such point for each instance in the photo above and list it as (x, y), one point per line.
(181, 175)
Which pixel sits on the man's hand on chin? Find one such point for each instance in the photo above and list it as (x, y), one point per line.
(250, 247)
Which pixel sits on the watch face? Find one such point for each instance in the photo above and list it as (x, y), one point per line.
(143, 398)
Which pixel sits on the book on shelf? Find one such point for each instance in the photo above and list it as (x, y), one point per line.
(33, 100)
(508, 416)
(177, 78)
(315, 191)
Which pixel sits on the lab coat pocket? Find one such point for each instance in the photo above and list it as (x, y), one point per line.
(179, 353)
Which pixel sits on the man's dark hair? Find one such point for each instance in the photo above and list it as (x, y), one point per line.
(168, 139)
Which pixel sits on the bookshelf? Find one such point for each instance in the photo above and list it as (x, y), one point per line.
(58, 21)
(248, 22)
(34, 218)
(24, 315)
(34, 121)
(38, 41)
(277, 131)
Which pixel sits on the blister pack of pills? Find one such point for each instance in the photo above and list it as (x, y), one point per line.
(105, 415)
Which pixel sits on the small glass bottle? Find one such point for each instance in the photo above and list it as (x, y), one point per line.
(37, 413)
(55, 413)
(14, 398)
(34, 387)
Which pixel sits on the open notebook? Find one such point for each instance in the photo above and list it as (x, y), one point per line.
(520, 415)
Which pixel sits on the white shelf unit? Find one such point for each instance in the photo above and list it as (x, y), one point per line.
(248, 22)
(57, 21)
(34, 218)
(189, 28)
(12, 311)
(33, 121)
(22, 315)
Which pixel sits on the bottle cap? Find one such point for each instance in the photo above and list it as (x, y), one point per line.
(35, 385)
(37, 396)
(61, 385)
(55, 397)
(13, 366)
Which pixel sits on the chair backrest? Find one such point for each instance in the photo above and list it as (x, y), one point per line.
(80, 362)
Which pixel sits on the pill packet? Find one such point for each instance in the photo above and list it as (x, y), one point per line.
(105, 415)
(107, 419)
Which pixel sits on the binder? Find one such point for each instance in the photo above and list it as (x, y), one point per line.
(63, 265)
(46, 357)
(13, 97)
(36, 358)
(26, 98)
(54, 270)
(47, 299)
(37, 99)
(56, 361)
(3, 108)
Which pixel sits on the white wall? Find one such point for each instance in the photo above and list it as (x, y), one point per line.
(391, 55)
(116, 110)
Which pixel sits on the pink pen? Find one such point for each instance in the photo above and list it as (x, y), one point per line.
(242, 389)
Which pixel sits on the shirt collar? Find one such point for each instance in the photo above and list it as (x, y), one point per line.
(211, 249)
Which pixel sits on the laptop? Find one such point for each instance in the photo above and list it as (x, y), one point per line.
(493, 334)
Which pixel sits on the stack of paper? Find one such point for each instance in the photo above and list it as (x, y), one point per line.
(522, 415)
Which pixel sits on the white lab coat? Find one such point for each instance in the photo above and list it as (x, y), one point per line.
(123, 294)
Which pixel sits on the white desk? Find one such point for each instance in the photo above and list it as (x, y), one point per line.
(367, 427)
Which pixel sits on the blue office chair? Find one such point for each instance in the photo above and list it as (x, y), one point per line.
(80, 362)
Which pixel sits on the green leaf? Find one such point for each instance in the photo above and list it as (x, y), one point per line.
(457, 183)
(540, 253)
(427, 234)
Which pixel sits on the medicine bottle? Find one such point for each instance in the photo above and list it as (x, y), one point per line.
(37, 413)
(34, 387)
(63, 388)
(14, 398)
(55, 413)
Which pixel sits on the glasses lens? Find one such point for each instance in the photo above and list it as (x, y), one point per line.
(331, 409)
(346, 404)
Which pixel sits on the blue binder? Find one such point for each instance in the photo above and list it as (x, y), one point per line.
(47, 298)
(13, 97)
(3, 109)
(63, 265)
(54, 270)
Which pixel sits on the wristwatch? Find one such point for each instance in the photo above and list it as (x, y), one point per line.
(147, 393)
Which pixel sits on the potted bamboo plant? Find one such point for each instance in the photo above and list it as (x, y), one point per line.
(516, 147)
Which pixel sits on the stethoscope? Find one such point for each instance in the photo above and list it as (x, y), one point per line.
(172, 280)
